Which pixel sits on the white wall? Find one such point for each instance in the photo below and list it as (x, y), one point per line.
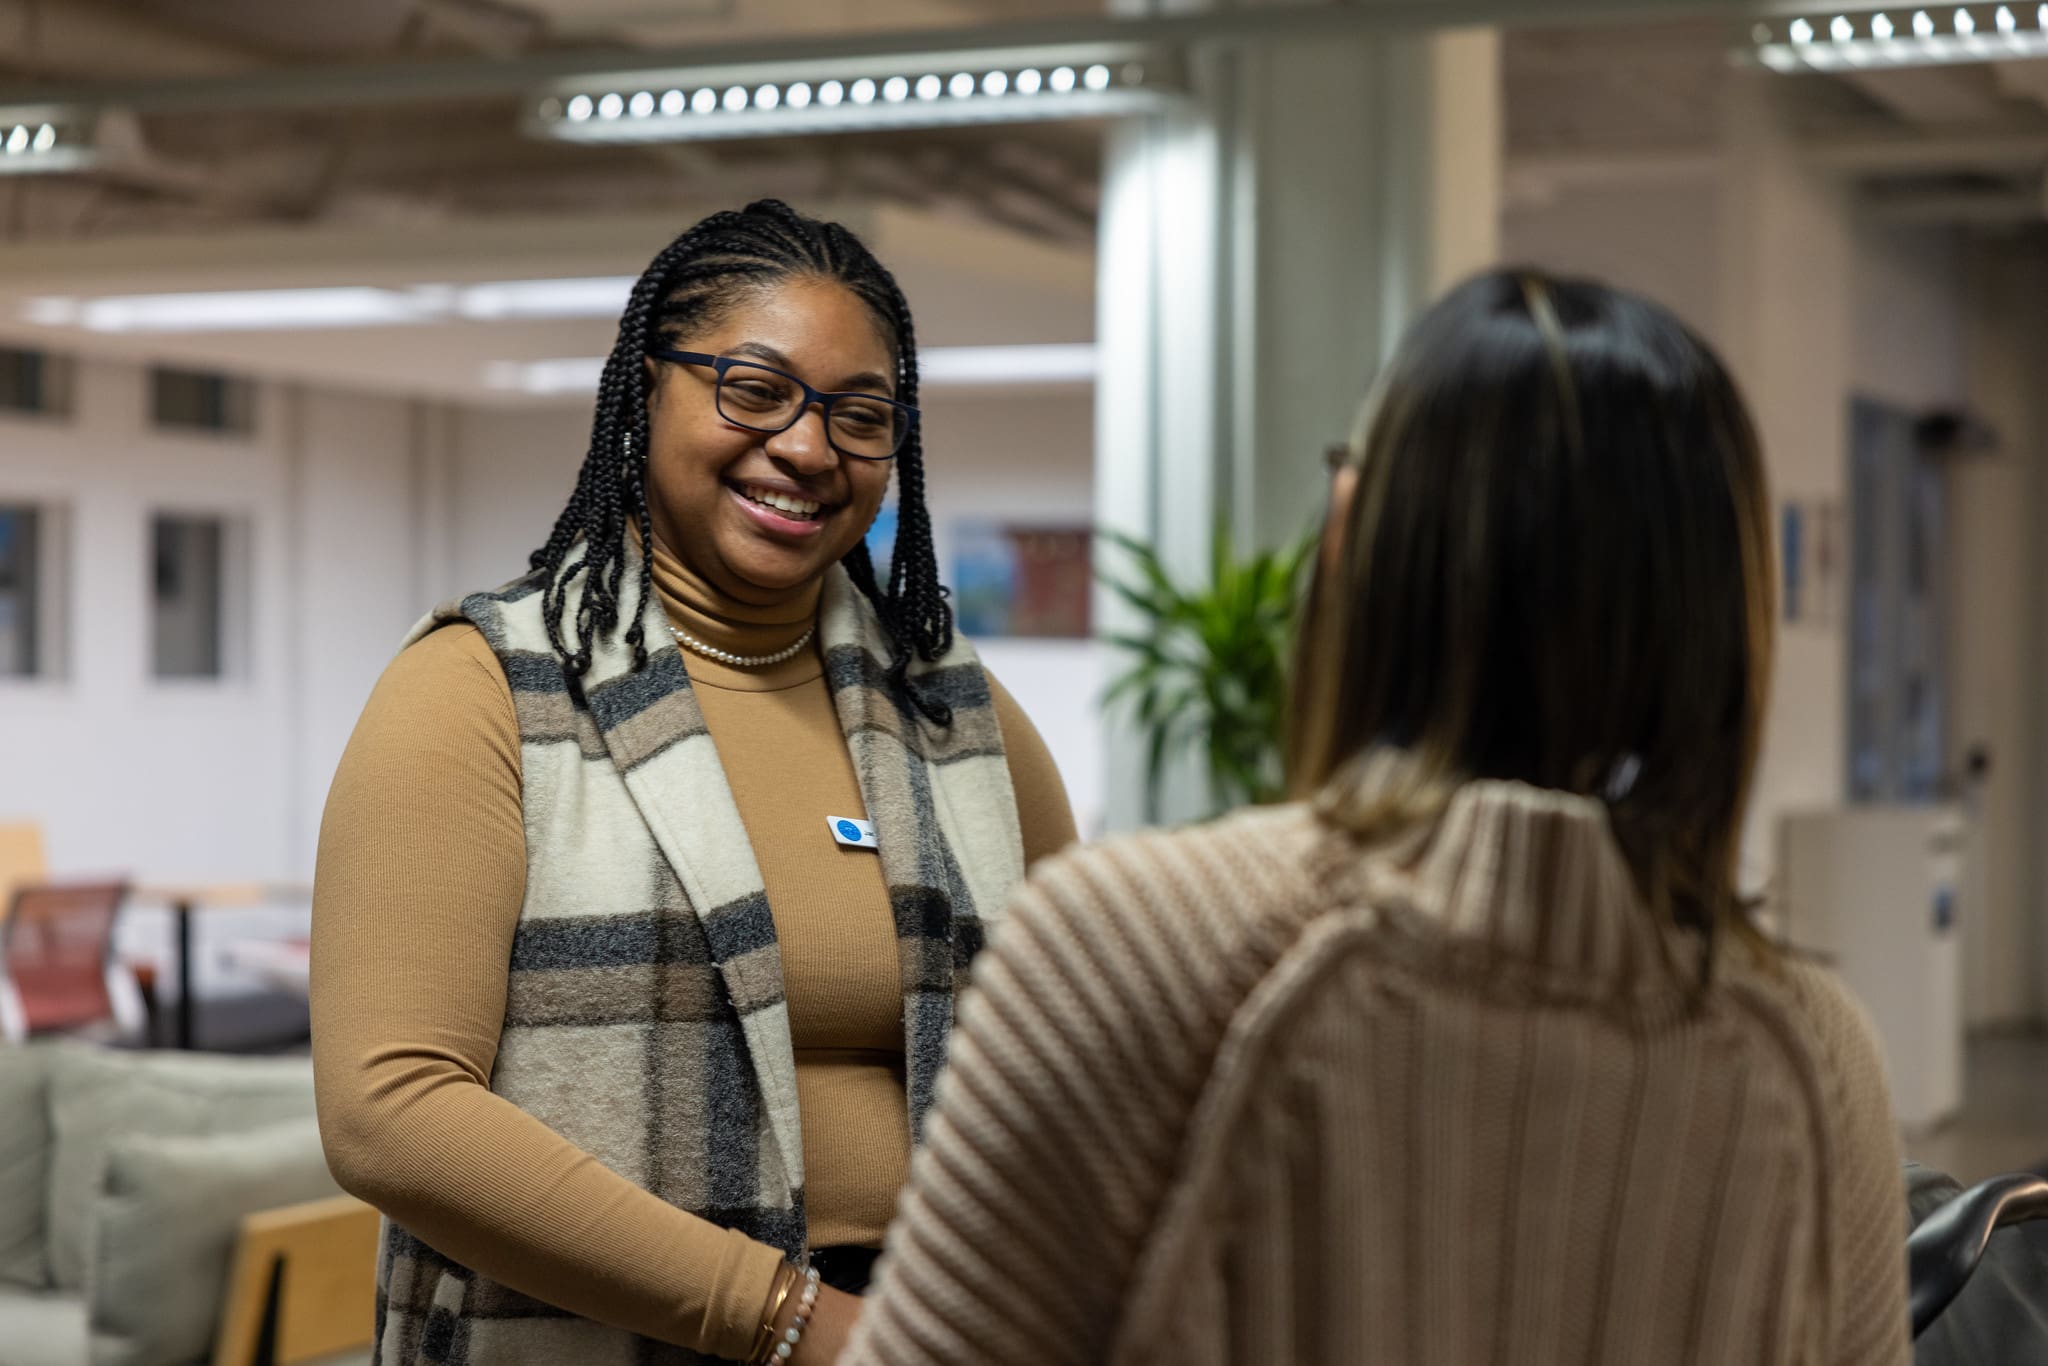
(1660, 238)
(200, 779)
(1910, 308)
(513, 471)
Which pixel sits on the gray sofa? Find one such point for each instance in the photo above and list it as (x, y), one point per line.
(125, 1180)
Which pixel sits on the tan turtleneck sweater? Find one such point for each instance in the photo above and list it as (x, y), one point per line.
(422, 870)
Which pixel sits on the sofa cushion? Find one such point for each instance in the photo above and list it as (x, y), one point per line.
(163, 1232)
(42, 1328)
(24, 1164)
(97, 1097)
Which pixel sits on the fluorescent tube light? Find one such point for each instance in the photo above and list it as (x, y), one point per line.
(1942, 35)
(258, 310)
(939, 367)
(249, 310)
(602, 296)
(546, 378)
(758, 102)
(1071, 363)
(45, 140)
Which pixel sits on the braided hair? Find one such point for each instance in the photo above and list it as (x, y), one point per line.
(694, 281)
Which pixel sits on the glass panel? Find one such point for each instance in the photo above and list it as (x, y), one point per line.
(186, 556)
(193, 400)
(34, 381)
(20, 592)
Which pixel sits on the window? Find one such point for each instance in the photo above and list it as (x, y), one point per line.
(34, 381)
(21, 592)
(195, 596)
(200, 401)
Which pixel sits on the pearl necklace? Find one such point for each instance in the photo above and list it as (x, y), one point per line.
(690, 642)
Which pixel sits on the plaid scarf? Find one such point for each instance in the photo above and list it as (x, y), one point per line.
(645, 1019)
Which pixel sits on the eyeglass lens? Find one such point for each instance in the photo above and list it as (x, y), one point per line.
(752, 396)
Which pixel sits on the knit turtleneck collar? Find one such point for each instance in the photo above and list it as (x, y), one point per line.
(1535, 873)
(695, 605)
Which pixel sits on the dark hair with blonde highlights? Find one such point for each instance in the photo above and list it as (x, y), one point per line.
(1555, 569)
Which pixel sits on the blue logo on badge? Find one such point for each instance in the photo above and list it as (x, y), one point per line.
(849, 832)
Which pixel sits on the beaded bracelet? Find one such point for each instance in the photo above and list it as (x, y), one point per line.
(786, 1348)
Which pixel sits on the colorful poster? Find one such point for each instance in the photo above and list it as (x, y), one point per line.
(882, 540)
(1026, 581)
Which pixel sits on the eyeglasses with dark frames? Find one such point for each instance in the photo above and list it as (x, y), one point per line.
(762, 398)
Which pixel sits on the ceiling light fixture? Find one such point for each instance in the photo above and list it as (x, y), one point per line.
(938, 367)
(1047, 83)
(45, 140)
(1944, 37)
(342, 306)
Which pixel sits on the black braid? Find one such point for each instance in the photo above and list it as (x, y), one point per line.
(691, 283)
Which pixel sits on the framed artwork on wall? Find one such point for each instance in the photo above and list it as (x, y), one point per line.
(1030, 581)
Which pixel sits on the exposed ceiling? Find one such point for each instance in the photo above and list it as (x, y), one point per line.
(421, 164)
(451, 190)
(1963, 145)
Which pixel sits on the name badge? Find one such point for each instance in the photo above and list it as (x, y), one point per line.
(852, 833)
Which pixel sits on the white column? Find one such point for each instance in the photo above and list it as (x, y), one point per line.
(1262, 247)
(1787, 285)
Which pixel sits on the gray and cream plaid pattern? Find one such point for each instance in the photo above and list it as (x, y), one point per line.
(645, 1018)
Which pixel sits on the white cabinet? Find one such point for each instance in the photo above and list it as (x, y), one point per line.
(1876, 890)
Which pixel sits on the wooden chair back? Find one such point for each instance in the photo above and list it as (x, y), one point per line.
(303, 1285)
(21, 859)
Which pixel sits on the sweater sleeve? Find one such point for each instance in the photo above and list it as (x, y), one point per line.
(1866, 1191)
(1078, 1059)
(1044, 814)
(417, 895)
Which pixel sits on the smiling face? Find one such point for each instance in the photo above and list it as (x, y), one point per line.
(714, 487)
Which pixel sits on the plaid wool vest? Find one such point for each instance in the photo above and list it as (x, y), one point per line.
(645, 1020)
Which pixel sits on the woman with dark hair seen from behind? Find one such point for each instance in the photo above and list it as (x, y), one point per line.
(1471, 1054)
(647, 881)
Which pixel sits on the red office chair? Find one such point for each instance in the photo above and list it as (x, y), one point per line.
(57, 967)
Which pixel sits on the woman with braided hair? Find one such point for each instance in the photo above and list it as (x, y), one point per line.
(648, 881)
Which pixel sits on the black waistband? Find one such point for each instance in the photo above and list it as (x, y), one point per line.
(845, 1268)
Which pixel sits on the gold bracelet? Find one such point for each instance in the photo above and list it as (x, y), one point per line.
(764, 1340)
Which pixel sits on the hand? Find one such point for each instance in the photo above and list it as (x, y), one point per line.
(830, 1327)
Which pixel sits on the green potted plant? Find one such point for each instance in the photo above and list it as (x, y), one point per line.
(1209, 663)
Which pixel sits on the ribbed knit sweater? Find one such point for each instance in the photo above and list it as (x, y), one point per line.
(1248, 1094)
